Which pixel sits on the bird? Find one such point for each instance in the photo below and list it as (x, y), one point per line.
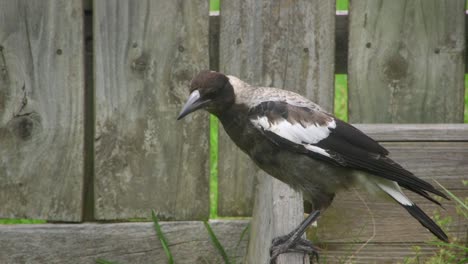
(296, 141)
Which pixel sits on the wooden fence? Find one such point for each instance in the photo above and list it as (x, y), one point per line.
(89, 94)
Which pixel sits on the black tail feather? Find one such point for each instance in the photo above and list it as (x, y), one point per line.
(423, 194)
(426, 221)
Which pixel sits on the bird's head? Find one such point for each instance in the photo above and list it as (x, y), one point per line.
(211, 91)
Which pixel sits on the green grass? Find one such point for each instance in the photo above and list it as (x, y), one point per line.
(162, 238)
(216, 243)
(213, 167)
(341, 96)
(21, 221)
(214, 5)
(342, 4)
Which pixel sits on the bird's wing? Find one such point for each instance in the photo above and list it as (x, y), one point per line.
(321, 136)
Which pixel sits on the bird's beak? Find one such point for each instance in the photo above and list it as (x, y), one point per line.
(193, 103)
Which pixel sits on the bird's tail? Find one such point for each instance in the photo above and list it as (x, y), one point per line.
(394, 191)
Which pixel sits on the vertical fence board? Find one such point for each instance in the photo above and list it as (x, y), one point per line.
(145, 56)
(41, 109)
(281, 44)
(406, 61)
(285, 44)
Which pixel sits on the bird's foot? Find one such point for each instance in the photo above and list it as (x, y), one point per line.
(293, 242)
(280, 245)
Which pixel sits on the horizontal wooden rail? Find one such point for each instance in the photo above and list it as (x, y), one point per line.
(188, 241)
(416, 132)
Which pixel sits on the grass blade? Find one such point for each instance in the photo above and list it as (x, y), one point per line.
(454, 197)
(449, 245)
(244, 232)
(216, 243)
(162, 238)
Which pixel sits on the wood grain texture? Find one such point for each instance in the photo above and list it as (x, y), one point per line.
(121, 243)
(188, 241)
(415, 132)
(41, 109)
(341, 40)
(145, 56)
(357, 216)
(446, 162)
(423, 158)
(406, 61)
(285, 44)
(277, 211)
(377, 253)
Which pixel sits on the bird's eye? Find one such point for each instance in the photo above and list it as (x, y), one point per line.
(211, 94)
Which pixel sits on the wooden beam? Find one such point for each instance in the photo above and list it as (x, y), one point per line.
(121, 243)
(415, 132)
(188, 241)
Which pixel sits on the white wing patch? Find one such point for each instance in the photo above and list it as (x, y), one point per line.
(310, 134)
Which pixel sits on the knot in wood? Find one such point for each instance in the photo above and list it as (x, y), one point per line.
(26, 125)
(395, 67)
(141, 64)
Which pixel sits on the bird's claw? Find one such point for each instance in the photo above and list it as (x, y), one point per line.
(282, 245)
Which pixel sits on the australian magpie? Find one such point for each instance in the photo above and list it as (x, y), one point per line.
(297, 142)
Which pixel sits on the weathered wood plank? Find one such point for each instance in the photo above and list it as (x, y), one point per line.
(377, 253)
(285, 45)
(427, 162)
(415, 132)
(188, 241)
(406, 61)
(145, 56)
(123, 243)
(446, 162)
(41, 109)
(241, 55)
(341, 40)
(263, 43)
(352, 219)
(272, 219)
